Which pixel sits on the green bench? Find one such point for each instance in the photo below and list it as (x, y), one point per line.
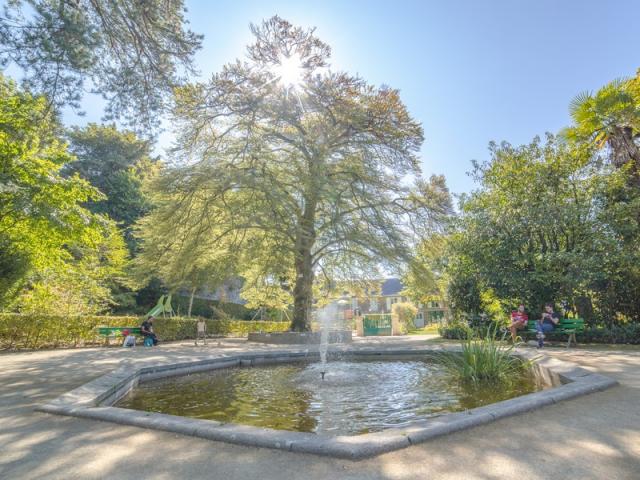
(108, 332)
(566, 326)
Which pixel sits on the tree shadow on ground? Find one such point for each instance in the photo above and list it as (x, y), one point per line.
(596, 436)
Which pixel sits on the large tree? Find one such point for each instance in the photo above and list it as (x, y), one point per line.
(296, 169)
(132, 52)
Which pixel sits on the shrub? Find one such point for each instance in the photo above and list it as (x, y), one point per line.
(51, 331)
(625, 334)
(455, 331)
(405, 314)
(615, 334)
(46, 331)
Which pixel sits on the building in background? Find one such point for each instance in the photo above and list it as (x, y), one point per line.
(380, 300)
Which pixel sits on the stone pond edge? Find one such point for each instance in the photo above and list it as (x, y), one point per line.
(94, 400)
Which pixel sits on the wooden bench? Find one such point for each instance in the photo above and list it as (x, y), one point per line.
(566, 326)
(108, 332)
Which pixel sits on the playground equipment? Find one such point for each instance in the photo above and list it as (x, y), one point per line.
(162, 307)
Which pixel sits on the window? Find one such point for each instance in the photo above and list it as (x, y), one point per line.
(373, 304)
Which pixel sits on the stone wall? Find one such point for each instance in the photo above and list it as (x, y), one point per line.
(304, 338)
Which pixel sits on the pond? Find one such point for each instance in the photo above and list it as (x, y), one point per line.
(356, 396)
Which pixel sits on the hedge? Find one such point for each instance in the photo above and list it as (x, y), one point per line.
(51, 331)
(616, 334)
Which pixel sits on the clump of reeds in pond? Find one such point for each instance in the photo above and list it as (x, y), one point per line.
(484, 360)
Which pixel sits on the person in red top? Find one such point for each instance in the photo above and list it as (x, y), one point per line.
(519, 320)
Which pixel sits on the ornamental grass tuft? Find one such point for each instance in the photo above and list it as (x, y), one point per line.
(486, 360)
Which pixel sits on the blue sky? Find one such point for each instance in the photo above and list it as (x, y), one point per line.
(470, 71)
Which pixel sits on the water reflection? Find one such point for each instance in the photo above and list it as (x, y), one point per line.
(355, 396)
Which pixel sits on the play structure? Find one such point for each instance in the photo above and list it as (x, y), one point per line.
(162, 307)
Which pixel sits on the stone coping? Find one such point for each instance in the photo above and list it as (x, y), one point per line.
(300, 338)
(95, 399)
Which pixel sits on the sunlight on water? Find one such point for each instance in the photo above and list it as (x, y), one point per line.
(355, 397)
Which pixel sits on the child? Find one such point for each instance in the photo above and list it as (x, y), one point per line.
(201, 330)
(129, 340)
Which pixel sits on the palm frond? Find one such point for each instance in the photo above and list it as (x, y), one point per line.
(579, 102)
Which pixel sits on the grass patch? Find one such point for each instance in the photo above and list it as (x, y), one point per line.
(426, 330)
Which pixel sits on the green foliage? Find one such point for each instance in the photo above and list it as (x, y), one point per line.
(116, 163)
(485, 360)
(455, 330)
(405, 313)
(547, 224)
(610, 118)
(131, 52)
(50, 331)
(14, 266)
(625, 334)
(628, 333)
(212, 308)
(39, 330)
(55, 243)
(425, 279)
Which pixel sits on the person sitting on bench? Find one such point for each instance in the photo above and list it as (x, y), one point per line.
(547, 323)
(519, 320)
(146, 328)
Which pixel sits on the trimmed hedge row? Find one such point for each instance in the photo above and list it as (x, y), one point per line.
(51, 331)
(616, 334)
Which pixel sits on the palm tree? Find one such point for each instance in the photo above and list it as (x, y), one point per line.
(610, 118)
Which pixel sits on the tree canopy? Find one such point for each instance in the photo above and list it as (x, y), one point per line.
(548, 224)
(44, 229)
(131, 52)
(117, 163)
(295, 170)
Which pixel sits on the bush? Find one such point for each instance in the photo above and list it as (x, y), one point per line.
(455, 331)
(51, 331)
(625, 334)
(46, 331)
(405, 314)
(616, 334)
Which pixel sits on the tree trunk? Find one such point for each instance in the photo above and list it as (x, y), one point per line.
(303, 294)
(193, 294)
(624, 149)
(303, 289)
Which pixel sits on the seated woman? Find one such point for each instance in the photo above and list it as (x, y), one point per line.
(547, 323)
(519, 320)
(146, 328)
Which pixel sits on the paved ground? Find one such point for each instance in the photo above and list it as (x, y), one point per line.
(593, 437)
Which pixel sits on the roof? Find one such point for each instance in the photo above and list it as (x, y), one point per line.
(391, 286)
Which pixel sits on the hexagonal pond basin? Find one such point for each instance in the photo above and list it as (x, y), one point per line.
(356, 396)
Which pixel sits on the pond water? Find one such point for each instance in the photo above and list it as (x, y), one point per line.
(356, 396)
